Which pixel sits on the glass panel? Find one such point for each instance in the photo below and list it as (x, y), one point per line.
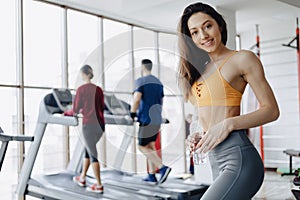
(118, 72)
(83, 41)
(42, 49)
(8, 42)
(173, 134)
(8, 122)
(168, 58)
(144, 48)
(52, 148)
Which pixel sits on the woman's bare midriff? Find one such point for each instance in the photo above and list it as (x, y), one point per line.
(211, 115)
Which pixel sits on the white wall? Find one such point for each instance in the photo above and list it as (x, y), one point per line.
(229, 16)
(280, 65)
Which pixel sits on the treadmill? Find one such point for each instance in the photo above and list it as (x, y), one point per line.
(60, 185)
(117, 185)
(173, 188)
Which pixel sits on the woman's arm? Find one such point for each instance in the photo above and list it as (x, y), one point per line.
(268, 108)
(252, 71)
(101, 98)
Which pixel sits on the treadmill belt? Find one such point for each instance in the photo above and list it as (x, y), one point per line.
(175, 188)
(64, 181)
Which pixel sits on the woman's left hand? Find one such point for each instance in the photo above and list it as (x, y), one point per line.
(214, 136)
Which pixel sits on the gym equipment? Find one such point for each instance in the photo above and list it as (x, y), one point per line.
(296, 39)
(59, 186)
(297, 47)
(291, 153)
(296, 182)
(117, 185)
(5, 139)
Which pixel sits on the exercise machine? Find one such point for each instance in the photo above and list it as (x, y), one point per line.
(5, 139)
(292, 152)
(60, 185)
(117, 185)
(173, 188)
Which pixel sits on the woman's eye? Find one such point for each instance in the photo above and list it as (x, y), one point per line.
(194, 33)
(208, 26)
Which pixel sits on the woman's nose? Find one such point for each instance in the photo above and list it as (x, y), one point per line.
(203, 35)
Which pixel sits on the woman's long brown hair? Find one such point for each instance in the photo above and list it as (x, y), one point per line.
(193, 59)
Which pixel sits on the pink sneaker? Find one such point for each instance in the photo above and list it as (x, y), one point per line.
(79, 181)
(95, 188)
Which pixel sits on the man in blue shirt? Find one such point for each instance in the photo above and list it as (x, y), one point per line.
(147, 100)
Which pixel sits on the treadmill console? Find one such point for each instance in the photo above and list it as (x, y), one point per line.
(63, 98)
(115, 106)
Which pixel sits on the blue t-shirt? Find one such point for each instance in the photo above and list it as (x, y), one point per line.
(150, 107)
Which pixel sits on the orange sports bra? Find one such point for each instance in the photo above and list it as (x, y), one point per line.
(215, 90)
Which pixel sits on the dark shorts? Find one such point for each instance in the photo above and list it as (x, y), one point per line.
(147, 133)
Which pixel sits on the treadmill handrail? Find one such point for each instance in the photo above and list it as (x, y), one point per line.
(5, 139)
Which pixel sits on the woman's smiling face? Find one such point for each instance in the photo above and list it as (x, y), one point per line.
(205, 32)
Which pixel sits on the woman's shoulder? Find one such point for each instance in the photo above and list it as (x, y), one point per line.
(99, 88)
(247, 61)
(246, 55)
(87, 86)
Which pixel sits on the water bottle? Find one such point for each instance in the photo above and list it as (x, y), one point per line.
(195, 128)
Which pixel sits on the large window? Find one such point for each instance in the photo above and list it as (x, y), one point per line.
(7, 41)
(83, 40)
(42, 49)
(168, 59)
(8, 106)
(52, 147)
(117, 69)
(9, 123)
(144, 48)
(173, 134)
(118, 78)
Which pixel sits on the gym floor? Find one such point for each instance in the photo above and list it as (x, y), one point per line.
(276, 187)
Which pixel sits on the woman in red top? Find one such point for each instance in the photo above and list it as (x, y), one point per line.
(89, 101)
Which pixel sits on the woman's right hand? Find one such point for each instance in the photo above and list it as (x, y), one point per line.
(192, 141)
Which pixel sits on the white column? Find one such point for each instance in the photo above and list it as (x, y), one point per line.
(65, 79)
(131, 63)
(101, 146)
(20, 78)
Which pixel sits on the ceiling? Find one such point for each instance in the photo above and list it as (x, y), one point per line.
(164, 14)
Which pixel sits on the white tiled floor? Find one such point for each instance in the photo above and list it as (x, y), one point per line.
(276, 187)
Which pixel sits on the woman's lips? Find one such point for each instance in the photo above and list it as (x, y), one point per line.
(207, 43)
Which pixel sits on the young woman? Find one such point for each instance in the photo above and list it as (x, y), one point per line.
(89, 101)
(213, 78)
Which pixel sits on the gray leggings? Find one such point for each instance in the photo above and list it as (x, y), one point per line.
(91, 135)
(237, 168)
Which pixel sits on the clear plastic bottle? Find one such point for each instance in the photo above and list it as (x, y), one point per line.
(195, 128)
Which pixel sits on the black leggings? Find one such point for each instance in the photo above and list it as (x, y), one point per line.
(91, 157)
(91, 135)
(237, 168)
